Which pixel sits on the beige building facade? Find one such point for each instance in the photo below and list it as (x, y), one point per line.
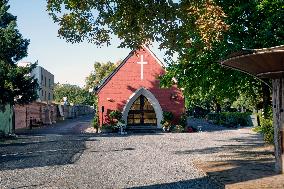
(46, 83)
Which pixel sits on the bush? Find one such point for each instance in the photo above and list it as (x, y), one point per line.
(183, 120)
(115, 114)
(107, 127)
(95, 122)
(178, 129)
(168, 118)
(230, 119)
(215, 117)
(199, 112)
(266, 129)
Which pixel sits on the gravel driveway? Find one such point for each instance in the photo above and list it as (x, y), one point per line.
(62, 158)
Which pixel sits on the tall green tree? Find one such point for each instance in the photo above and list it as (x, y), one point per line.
(16, 85)
(101, 70)
(245, 31)
(202, 32)
(74, 94)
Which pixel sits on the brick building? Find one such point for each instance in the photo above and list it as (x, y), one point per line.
(133, 89)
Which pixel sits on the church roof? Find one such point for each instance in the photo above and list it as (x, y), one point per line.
(106, 79)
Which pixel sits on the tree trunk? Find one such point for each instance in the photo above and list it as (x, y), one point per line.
(278, 121)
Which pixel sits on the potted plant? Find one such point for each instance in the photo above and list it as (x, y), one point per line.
(121, 126)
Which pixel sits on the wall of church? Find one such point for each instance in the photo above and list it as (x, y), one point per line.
(114, 95)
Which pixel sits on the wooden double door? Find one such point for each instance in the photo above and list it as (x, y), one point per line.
(141, 113)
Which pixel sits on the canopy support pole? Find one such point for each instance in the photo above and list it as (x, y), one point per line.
(278, 122)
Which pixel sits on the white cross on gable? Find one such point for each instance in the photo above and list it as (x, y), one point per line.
(142, 63)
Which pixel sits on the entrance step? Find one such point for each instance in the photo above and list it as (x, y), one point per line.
(143, 129)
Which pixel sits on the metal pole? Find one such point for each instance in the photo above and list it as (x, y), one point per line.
(103, 109)
(102, 118)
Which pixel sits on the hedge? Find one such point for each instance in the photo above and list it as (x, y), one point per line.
(231, 119)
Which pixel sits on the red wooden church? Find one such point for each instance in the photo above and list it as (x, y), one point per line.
(133, 89)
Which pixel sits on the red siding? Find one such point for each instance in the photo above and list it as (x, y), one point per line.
(116, 92)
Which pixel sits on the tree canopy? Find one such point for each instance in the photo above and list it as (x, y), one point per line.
(202, 32)
(74, 94)
(101, 70)
(137, 22)
(251, 24)
(16, 85)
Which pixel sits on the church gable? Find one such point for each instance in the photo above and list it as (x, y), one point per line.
(140, 67)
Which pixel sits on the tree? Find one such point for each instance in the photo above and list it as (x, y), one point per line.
(16, 85)
(201, 32)
(74, 94)
(178, 26)
(204, 78)
(137, 22)
(101, 70)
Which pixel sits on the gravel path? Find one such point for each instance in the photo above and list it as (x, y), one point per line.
(78, 160)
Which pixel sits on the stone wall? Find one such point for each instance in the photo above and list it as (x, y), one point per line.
(35, 113)
(38, 113)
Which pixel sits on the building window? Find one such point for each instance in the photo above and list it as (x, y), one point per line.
(41, 79)
(45, 81)
(141, 113)
(44, 95)
(48, 96)
(41, 92)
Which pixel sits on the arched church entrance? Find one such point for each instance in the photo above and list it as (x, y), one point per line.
(142, 108)
(142, 113)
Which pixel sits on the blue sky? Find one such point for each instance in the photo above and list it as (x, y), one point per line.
(70, 63)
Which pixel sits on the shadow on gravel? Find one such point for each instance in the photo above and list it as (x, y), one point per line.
(199, 183)
(115, 150)
(245, 144)
(247, 161)
(47, 150)
(236, 171)
(128, 134)
(29, 186)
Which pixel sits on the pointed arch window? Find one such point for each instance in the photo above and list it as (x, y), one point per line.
(142, 113)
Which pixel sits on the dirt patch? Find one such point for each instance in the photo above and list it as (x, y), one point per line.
(90, 130)
(84, 127)
(250, 167)
(273, 182)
